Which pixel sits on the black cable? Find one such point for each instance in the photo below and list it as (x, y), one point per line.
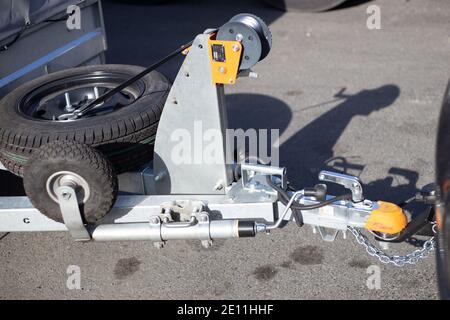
(284, 199)
(296, 207)
(63, 18)
(103, 98)
(323, 203)
(4, 236)
(16, 37)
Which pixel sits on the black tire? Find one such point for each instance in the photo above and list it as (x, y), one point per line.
(443, 183)
(125, 136)
(78, 159)
(305, 5)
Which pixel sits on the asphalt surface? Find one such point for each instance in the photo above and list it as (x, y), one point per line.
(344, 97)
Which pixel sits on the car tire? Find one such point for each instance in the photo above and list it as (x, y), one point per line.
(125, 136)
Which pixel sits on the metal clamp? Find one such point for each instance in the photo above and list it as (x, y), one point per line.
(350, 182)
(198, 228)
(68, 203)
(246, 168)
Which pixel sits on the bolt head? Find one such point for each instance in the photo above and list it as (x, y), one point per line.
(253, 184)
(218, 186)
(206, 244)
(66, 195)
(158, 245)
(154, 220)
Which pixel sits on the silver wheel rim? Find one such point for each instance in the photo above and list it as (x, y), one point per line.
(68, 179)
(58, 100)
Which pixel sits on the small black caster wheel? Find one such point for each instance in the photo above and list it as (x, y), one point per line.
(69, 163)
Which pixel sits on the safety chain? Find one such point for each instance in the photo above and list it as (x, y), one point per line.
(399, 261)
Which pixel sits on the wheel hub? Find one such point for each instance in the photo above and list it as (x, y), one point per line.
(68, 179)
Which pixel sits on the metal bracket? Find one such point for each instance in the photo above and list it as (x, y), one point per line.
(71, 214)
(350, 182)
(193, 115)
(246, 169)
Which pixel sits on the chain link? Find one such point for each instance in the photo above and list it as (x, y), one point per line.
(399, 261)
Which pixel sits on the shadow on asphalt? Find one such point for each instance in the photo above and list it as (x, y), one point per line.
(311, 148)
(291, 5)
(351, 3)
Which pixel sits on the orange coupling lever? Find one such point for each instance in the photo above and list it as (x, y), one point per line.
(387, 218)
